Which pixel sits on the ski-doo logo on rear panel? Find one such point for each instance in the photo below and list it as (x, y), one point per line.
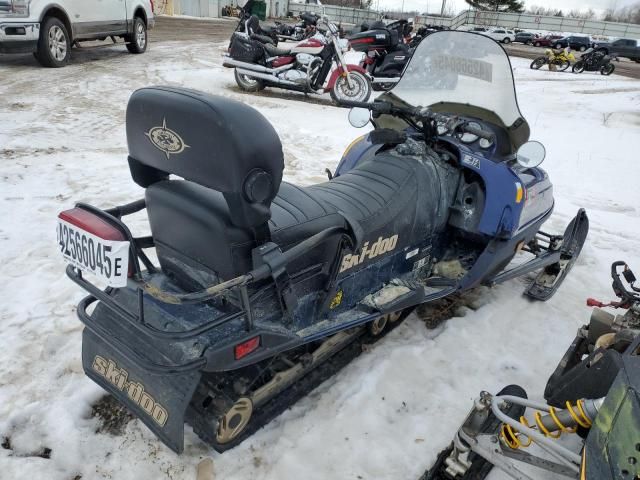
(118, 377)
(382, 246)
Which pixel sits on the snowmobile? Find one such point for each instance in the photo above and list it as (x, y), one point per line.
(262, 288)
(594, 392)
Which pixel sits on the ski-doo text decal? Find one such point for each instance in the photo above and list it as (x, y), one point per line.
(380, 247)
(118, 377)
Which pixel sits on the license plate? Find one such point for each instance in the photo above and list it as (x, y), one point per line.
(107, 259)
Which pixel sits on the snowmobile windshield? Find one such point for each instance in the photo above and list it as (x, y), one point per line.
(462, 73)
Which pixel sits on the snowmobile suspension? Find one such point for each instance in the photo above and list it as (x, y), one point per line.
(552, 425)
(516, 434)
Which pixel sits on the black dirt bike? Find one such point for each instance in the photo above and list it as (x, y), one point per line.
(594, 61)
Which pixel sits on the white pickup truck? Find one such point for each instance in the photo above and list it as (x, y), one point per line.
(49, 28)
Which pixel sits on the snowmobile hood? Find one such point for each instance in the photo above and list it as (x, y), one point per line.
(464, 73)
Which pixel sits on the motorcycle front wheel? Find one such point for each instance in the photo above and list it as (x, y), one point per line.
(359, 91)
(578, 67)
(538, 62)
(607, 69)
(248, 84)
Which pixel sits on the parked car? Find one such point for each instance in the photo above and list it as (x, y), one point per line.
(500, 35)
(49, 28)
(525, 37)
(573, 42)
(546, 41)
(622, 47)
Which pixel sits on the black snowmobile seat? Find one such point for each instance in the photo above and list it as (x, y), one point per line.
(182, 214)
(232, 197)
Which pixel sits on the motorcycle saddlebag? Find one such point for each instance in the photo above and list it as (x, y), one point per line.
(245, 49)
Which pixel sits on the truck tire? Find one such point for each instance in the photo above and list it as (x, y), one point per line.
(54, 45)
(506, 40)
(137, 41)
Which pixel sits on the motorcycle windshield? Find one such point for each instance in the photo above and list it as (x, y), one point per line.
(461, 72)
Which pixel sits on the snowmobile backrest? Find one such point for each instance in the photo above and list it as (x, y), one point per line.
(215, 142)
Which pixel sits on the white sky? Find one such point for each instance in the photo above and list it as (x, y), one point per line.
(433, 6)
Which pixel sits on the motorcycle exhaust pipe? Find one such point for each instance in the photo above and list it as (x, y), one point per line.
(231, 63)
(385, 80)
(266, 76)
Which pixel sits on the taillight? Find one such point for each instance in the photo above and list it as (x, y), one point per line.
(245, 348)
(356, 41)
(153, 7)
(92, 223)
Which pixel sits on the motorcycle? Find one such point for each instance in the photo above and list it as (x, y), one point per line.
(558, 60)
(249, 24)
(262, 289)
(304, 67)
(593, 61)
(386, 53)
(593, 392)
(305, 28)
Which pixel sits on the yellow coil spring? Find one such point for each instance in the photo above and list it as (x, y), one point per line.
(512, 437)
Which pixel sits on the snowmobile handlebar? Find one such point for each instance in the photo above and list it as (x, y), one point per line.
(421, 114)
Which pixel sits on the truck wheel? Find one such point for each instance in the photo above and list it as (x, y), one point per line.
(537, 44)
(506, 40)
(137, 42)
(54, 46)
(582, 48)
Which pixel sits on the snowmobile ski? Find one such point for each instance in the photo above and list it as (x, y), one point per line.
(551, 277)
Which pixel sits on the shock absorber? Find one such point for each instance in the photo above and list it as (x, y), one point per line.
(552, 424)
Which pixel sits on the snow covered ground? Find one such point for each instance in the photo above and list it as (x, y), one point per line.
(386, 415)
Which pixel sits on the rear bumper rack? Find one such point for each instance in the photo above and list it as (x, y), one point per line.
(129, 354)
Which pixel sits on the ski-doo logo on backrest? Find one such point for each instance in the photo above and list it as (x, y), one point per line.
(118, 377)
(166, 140)
(382, 246)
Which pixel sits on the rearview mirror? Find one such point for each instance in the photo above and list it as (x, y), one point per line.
(359, 117)
(531, 154)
